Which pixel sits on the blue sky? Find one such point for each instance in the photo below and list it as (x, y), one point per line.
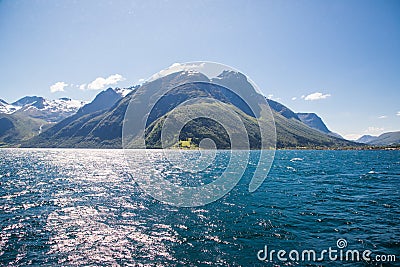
(343, 57)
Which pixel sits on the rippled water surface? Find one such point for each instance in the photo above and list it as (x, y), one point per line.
(82, 207)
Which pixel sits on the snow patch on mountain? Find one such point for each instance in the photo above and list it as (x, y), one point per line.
(39, 107)
(52, 110)
(6, 108)
(123, 91)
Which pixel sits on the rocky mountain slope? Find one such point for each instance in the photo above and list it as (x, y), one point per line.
(102, 128)
(32, 115)
(314, 121)
(41, 108)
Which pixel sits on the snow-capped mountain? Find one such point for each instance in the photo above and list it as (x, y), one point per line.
(122, 91)
(52, 110)
(41, 108)
(32, 115)
(6, 108)
(125, 91)
(389, 138)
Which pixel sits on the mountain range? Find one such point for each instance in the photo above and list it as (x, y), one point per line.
(389, 138)
(314, 121)
(40, 108)
(37, 122)
(310, 119)
(32, 115)
(99, 124)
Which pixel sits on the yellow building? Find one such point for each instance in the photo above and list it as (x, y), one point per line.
(186, 143)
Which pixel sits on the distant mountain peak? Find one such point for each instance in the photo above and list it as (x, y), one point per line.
(389, 138)
(230, 75)
(365, 139)
(125, 91)
(314, 121)
(6, 108)
(283, 110)
(41, 108)
(190, 76)
(104, 100)
(40, 103)
(27, 100)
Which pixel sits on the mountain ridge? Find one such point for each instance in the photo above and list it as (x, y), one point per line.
(388, 138)
(103, 128)
(38, 107)
(314, 121)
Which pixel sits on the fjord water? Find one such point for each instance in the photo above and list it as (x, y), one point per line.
(82, 207)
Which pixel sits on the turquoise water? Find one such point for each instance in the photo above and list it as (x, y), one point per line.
(81, 207)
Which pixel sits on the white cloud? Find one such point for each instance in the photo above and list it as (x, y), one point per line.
(294, 98)
(82, 86)
(303, 96)
(316, 96)
(374, 130)
(382, 117)
(177, 67)
(100, 82)
(398, 113)
(58, 87)
(271, 96)
(352, 136)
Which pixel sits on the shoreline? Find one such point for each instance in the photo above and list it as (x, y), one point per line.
(370, 148)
